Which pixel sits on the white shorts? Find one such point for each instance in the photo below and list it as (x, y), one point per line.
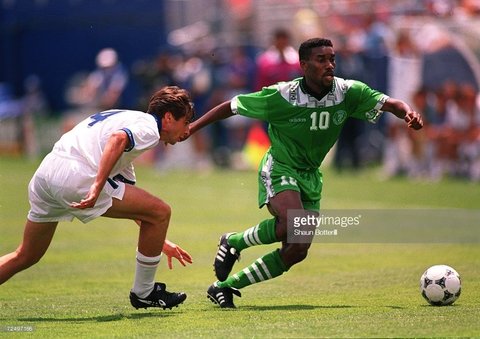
(61, 180)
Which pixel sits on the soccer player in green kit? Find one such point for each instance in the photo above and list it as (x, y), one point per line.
(304, 116)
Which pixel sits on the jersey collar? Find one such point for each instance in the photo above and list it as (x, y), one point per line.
(306, 89)
(159, 123)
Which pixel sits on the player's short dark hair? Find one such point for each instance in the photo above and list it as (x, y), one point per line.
(306, 47)
(171, 99)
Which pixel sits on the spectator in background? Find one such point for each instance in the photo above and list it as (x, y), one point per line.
(442, 133)
(239, 73)
(377, 36)
(106, 84)
(350, 65)
(10, 120)
(234, 78)
(469, 137)
(34, 105)
(458, 140)
(153, 74)
(192, 71)
(404, 69)
(279, 62)
(102, 89)
(451, 144)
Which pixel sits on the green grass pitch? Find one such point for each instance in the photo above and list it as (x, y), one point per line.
(81, 286)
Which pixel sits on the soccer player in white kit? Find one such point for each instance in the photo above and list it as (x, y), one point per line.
(89, 173)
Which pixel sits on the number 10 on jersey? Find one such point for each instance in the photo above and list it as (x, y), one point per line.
(319, 120)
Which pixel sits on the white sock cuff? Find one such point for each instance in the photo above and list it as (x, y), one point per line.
(148, 260)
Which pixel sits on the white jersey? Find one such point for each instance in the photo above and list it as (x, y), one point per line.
(87, 140)
(67, 173)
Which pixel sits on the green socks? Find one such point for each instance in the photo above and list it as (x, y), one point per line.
(263, 233)
(267, 267)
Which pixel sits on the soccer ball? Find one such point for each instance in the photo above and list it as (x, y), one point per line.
(440, 285)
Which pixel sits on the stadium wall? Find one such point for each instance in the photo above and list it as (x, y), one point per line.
(55, 39)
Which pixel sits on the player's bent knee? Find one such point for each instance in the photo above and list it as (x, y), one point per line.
(301, 252)
(25, 260)
(296, 253)
(161, 210)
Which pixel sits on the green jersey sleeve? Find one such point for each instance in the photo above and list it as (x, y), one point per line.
(363, 102)
(256, 105)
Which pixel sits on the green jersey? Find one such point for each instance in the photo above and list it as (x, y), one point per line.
(302, 128)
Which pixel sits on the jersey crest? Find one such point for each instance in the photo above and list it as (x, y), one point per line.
(339, 117)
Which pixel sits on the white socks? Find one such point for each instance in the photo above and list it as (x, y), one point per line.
(145, 274)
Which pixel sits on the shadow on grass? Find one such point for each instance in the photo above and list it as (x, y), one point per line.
(393, 307)
(101, 318)
(292, 307)
(440, 306)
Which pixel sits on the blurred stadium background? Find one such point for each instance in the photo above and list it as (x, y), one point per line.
(62, 60)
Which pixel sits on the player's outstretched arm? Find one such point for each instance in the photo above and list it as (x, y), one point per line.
(403, 111)
(219, 112)
(172, 250)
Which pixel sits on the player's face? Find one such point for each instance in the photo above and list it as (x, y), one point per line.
(173, 129)
(319, 68)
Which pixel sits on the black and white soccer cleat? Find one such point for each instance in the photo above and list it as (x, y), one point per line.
(223, 296)
(159, 297)
(225, 258)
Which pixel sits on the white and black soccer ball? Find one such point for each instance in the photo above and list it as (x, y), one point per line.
(440, 285)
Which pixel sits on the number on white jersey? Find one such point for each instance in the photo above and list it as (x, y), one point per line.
(102, 116)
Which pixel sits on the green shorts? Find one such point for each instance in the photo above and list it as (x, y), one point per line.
(275, 177)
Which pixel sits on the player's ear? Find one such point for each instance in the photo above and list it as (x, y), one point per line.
(303, 64)
(168, 116)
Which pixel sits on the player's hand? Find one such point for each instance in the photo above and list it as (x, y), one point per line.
(414, 120)
(89, 201)
(172, 250)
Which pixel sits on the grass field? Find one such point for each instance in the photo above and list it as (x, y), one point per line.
(80, 288)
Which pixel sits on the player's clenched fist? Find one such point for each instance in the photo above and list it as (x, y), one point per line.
(414, 120)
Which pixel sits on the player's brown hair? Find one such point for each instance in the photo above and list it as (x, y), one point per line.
(171, 99)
